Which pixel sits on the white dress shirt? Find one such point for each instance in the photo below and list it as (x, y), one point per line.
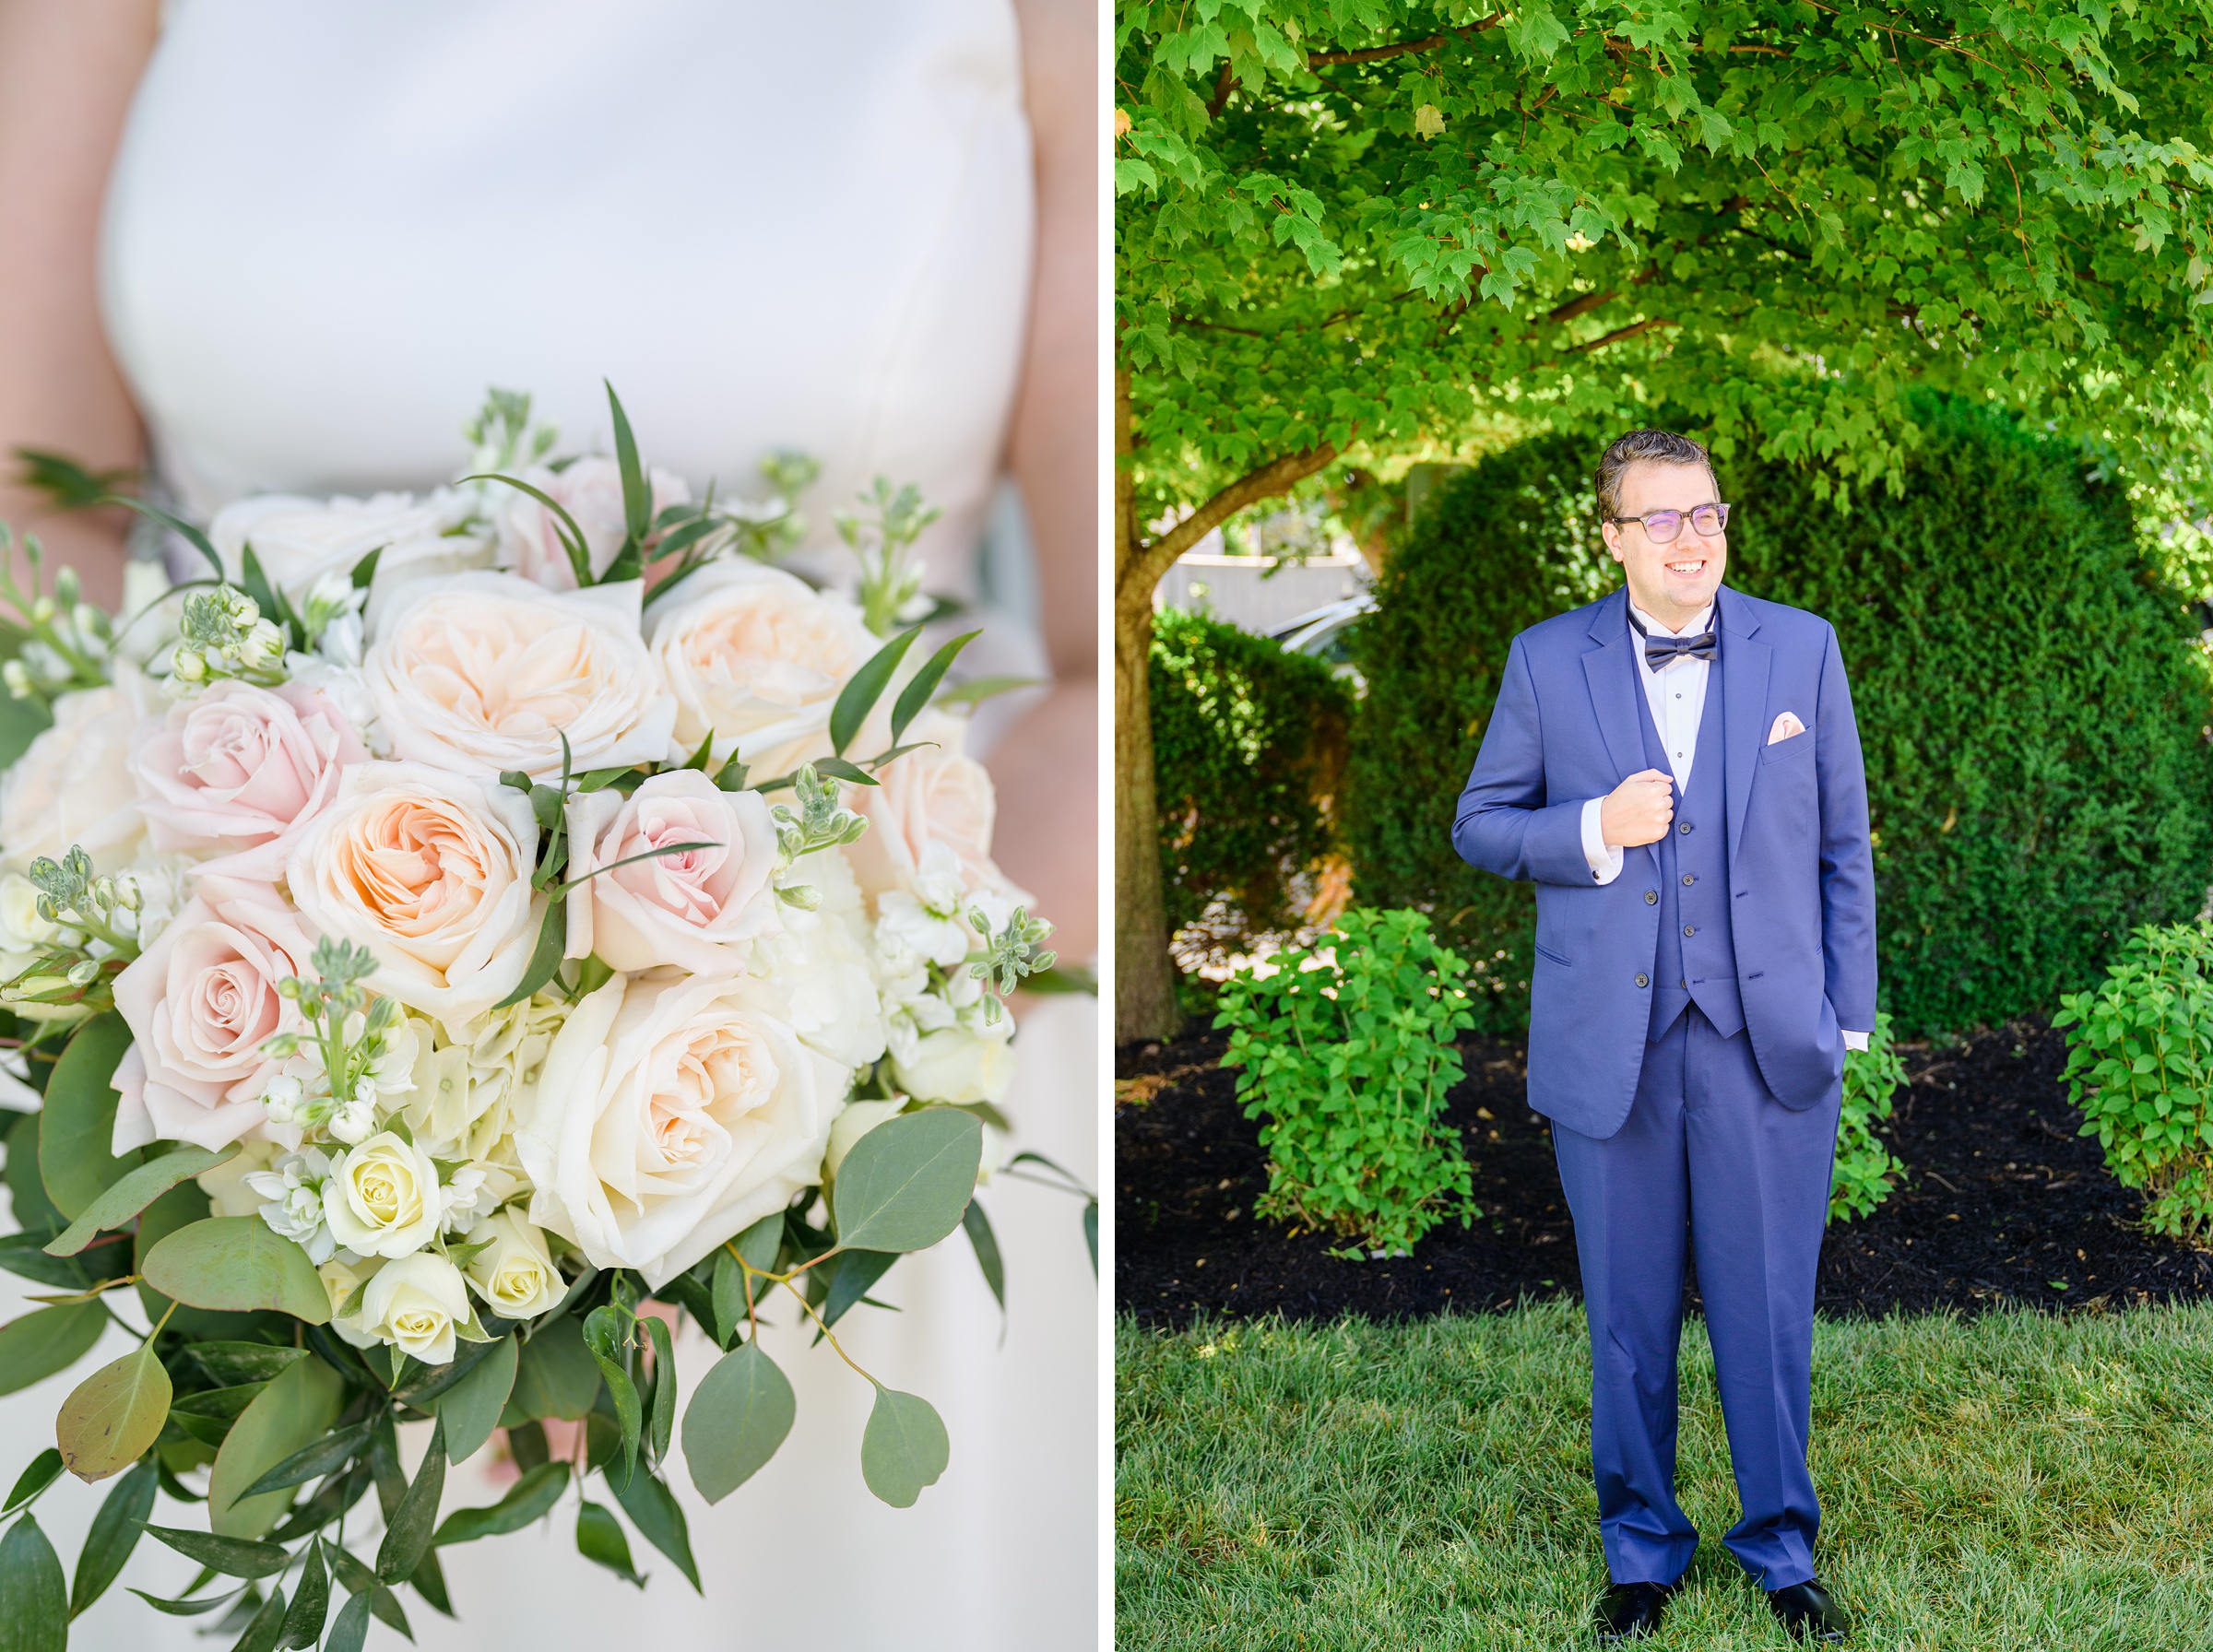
(1676, 693)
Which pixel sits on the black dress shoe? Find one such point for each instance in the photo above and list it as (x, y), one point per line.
(1808, 1612)
(1631, 1609)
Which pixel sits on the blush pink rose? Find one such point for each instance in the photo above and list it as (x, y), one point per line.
(201, 1002)
(591, 491)
(243, 769)
(694, 909)
(936, 794)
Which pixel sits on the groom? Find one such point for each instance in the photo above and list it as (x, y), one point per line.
(1676, 769)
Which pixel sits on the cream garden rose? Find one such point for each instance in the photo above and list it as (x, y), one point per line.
(240, 771)
(487, 672)
(381, 1197)
(670, 1115)
(513, 1275)
(937, 794)
(755, 657)
(591, 491)
(958, 1064)
(418, 1303)
(74, 784)
(299, 541)
(431, 871)
(201, 1002)
(693, 910)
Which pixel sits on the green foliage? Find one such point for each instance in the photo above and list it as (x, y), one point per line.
(904, 1448)
(297, 1407)
(111, 1419)
(1865, 1172)
(2029, 699)
(1377, 221)
(470, 1409)
(46, 1340)
(79, 1122)
(37, 1619)
(1347, 1049)
(1248, 746)
(737, 1419)
(236, 1264)
(2140, 1066)
(904, 1184)
(1497, 548)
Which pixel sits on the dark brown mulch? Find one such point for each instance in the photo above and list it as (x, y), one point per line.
(2002, 1201)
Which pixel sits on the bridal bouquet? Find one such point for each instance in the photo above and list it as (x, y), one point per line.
(451, 942)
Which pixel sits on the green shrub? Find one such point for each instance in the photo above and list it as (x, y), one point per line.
(2029, 693)
(2140, 1066)
(1500, 547)
(1865, 1171)
(1347, 1049)
(1248, 750)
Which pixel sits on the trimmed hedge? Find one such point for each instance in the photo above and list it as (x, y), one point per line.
(2030, 697)
(1248, 755)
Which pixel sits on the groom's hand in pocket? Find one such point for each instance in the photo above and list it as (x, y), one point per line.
(1639, 810)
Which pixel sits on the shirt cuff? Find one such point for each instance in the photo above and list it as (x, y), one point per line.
(1855, 1041)
(1605, 857)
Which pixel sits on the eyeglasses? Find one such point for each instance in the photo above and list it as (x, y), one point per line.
(1663, 527)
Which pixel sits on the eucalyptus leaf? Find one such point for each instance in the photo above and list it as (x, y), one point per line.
(865, 687)
(236, 1263)
(599, 1538)
(26, 1189)
(297, 1409)
(113, 1416)
(38, 1344)
(555, 1374)
(738, 1416)
(530, 1498)
(408, 1534)
(904, 1448)
(760, 1243)
(114, 1535)
(45, 1469)
(653, 1509)
(78, 1121)
(728, 1297)
(846, 1279)
(34, 1604)
(234, 1557)
(917, 693)
(470, 1409)
(181, 1206)
(24, 1254)
(903, 1185)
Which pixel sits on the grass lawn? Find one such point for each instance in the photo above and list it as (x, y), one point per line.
(2010, 1481)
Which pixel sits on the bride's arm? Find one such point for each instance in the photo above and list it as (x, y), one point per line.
(1046, 767)
(68, 70)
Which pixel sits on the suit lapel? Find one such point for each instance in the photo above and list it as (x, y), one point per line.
(1745, 663)
(1610, 671)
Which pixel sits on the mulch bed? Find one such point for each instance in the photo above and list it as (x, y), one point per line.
(2002, 1202)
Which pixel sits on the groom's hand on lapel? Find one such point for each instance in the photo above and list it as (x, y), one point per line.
(1637, 811)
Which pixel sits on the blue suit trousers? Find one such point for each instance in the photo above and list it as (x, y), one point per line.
(1709, 1158)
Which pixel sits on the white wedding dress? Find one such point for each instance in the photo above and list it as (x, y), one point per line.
(331, 226)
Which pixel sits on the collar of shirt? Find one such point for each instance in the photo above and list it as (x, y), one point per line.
(1703, 622)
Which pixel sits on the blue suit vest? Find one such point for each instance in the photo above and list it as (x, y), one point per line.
(1695, 962)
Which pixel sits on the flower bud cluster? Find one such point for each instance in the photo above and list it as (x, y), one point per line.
(94, 921)
(70, 641)
(224, 635)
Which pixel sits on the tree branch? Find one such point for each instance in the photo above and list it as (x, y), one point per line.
(1619, 334)
(1223, 87)
(1315, 60)
(1149, 563)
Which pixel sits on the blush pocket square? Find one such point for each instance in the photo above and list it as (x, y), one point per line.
(1786, 724)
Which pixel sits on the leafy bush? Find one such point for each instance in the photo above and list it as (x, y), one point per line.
(1507, 543)
(1247, 752)
(1865, 1171)
(2140, 1066)
(2029, 693)
(1347, 1049)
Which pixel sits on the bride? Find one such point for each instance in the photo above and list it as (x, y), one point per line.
(260, 246)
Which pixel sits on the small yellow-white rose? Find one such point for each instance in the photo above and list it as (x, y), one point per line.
(514, 1274)
(340, 1280)
(954, 1064)
(382, 1199)
(486, 672)
(416, 1303)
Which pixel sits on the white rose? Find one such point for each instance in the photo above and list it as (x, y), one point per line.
(382, 1199)
(695, 910)
(756, 657)
(590, 490)
(514, 1274)
(486, 672)
(74, 784)
(299, 541)
(670, 1115)
(856, 1120)
(956, 1063)
(340, 1280)
(431, 871)
(416, 1303)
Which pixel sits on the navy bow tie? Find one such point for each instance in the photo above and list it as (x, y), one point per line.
(1660, 651)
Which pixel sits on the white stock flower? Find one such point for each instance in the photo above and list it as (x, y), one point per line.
(514, 1274)
(487, 672)
(416, 1303)
(381, 1197)
(431, 871)
(815, 973)
(293, 1192)
(465, 1196)
(301, 542)
(669, 1115)
(756, 657)
(73, 783)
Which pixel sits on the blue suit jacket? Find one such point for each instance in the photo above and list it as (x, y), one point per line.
(1566, 729)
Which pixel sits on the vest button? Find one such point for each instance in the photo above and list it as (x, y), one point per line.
(1684, 828)
(1690, 928)
(1642, 981)
(1689, 878)
(1652, 897)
